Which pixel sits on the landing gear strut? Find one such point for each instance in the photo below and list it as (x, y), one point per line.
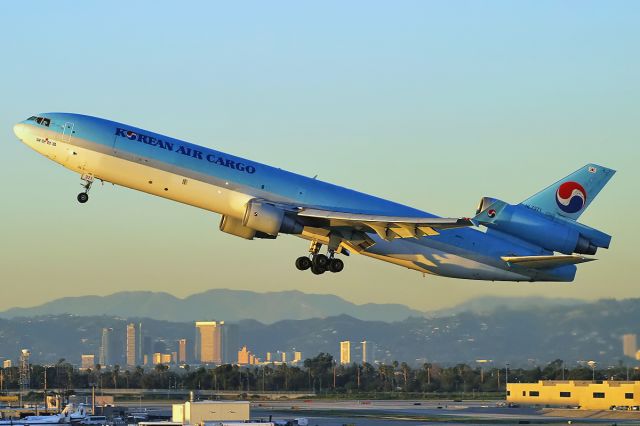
(318, 262)
(83, 197)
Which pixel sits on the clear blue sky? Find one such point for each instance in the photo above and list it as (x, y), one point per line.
(433, 104)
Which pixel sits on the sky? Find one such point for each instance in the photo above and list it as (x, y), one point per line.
(431, 104)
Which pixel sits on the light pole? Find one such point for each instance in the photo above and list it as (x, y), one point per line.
(506, 380)
(593, 366)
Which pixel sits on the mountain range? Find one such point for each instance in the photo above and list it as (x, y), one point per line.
(236, 305)
(223, 304)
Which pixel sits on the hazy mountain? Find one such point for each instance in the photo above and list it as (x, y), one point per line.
(223, 304)
(529, 334)
(488, 304)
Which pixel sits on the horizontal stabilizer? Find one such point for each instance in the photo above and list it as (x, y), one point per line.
(546, 262)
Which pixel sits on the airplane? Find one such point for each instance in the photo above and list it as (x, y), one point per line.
(538, 239)
(70, 415)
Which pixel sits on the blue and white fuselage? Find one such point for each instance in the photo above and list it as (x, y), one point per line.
(244, 191)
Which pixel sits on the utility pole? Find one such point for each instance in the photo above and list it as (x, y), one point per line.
(506, 380)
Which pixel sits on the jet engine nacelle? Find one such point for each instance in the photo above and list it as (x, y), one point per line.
(546, 231)
(260, 220)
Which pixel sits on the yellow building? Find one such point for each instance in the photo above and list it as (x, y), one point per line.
(182, 351)
(131, 345)
(87, 361)
(629, 345)
(345, 352)
(243, 356)
(209, 341)
(586, 394)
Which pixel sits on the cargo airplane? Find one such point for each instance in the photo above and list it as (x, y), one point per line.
(538, 239)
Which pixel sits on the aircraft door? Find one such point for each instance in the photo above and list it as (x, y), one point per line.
(67, 131)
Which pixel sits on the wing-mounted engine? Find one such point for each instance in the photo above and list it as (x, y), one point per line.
(552, 233)
(261, 220)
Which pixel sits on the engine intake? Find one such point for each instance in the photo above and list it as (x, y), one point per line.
(269, 219)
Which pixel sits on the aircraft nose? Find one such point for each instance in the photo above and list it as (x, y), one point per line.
(19, 130)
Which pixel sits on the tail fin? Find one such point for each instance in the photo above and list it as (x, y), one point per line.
(570, 196)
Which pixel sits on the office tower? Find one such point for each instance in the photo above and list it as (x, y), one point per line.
(131, 347)
(368, 352)
(629, 345)
(25, 369)
(147, 347)
(345, 352)
(7, 363)
(105, 357)
(139, 341)
(182, 351)
(244, 356)
(209, 342)
(230, 344)
(268, 357)
(297, 356)
(87, 361)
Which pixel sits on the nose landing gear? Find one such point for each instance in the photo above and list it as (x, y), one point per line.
(319, 263)
(83, 197)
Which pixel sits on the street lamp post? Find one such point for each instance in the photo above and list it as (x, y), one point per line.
(593, 366)
(506, 380)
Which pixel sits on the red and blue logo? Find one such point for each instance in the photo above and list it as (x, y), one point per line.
(571, 197)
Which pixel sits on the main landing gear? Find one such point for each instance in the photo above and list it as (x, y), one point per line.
(319, 263)
(83, 197)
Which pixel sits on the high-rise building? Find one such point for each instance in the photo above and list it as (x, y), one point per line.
(25, 369)
(147, 348)
(368, 352)
(244, 356)
(209, 342)
(131, 347)
(345, 352)
(105, 357)
(87, 361)
(182, 351)
(629, 345)
(230, 344)
(297, 356)
(139, 341)
(7, 363)
(268, 357)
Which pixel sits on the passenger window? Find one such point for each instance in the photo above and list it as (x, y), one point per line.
(628, 395)
(565, 394)
(534, 393)
(598, 394)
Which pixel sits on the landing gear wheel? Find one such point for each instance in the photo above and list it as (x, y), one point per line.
(320, 261)
(336, 265)
(83, 197)
(303, 263)
(317, 270)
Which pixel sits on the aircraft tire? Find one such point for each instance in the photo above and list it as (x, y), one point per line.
(303, 263)
(336, 265)
(83, 197)
(321, 261)
(316, 270)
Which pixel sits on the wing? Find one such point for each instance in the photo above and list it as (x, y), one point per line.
(387, 227)
(544, 262)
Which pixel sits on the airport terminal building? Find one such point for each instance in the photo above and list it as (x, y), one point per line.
(586, 394)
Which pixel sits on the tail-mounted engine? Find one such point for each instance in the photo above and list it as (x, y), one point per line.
(549, 232)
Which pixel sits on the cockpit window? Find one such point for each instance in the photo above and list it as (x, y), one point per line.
(40, 120)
